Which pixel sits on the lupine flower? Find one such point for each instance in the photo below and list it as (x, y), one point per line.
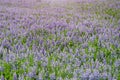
(91, 77)
(40, 77)
(7, 58)
(2, 78)
(60, 78)
(21, 77)
(117, 63)
(1, 68)
(6, 44)
(84, 76)
(104, 75)
(31, 74)
(52, 76)
(14, 76)
(96, 74)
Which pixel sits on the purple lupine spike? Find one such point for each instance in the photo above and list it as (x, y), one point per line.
(91, 77)
(52, 76)
(6, 44)
(1, 68)
(2, 78)
(96, 74)
(85, 76)
(31, 74)
(104, 75)
(14, 76)
(7, 58)
(117, 63)
(40, 77)
(41, 42)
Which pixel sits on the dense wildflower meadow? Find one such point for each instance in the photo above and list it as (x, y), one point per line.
(59, 39)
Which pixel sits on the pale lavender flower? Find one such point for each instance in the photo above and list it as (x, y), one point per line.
(117, 63)
(14, 76)
(6, 44)
(40, 77)
(1, 68)
(21, 77)
(104, 61)
(85, 75)
(2, 77)
(7, 58)
(41, 42)
(85, 45)
(52, 76)
(104, 75)
(60, 78)
(96, 74)
(31, 74)
(91, 77)
(92, 38)
(44, 64)
(43, 51)
(12, 57)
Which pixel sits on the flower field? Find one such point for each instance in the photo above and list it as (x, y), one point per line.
(59, 40)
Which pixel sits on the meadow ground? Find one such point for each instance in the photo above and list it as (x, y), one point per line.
(59, 40)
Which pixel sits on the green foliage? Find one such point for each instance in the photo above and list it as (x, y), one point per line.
(7, 70)
(23, 40)
(113, 12)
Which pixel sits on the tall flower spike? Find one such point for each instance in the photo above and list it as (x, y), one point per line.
(14, 76)
(2, 78)
(6, 44)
